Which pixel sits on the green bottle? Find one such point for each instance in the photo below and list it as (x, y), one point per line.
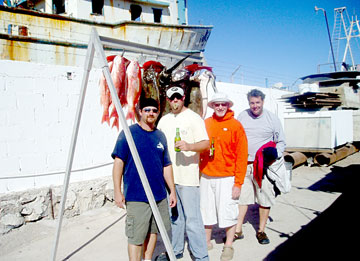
(177, 138)
(212, 148)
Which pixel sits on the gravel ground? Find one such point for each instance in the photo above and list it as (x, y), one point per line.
(314, 221)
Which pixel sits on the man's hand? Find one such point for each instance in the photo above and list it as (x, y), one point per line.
(172, 200)
(182, 145)
(236, 192)
(119, 199)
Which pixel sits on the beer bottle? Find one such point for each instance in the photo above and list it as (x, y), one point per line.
(212, 149)
(177, 138)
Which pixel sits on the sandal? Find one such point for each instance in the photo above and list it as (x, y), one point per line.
(238, 235)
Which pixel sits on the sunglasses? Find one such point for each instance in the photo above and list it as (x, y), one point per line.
(177, 96)
(149, 110)
(223, 104)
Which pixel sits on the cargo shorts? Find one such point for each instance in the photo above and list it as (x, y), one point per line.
(140, 220)
(251, 193)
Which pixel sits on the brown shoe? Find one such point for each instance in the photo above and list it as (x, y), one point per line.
(262, 238)
(238, 235)
(227, 254)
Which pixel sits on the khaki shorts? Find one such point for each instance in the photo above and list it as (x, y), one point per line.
(140, 221)
(216, 203)
(251, 193)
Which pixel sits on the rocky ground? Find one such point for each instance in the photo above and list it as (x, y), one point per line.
(315, 221)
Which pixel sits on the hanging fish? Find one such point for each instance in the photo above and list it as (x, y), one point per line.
(118, 76)
(105, 96)
(133, 76)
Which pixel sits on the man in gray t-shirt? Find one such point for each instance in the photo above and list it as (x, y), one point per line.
(261, 126)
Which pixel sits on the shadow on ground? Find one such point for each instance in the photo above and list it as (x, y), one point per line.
(333, 234)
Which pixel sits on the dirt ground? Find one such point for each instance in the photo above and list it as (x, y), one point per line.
(315, 221)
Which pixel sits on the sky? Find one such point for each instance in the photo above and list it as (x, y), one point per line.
(267, 42)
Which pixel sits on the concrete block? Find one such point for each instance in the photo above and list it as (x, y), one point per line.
(56, 161)
(24, 146)
(9, 133)
(22, 116)
(27, 162)
(48, 144)
(46, 116)
(26, 100)
(55, 100)
(10, 166)
(7, 101)
(3, 149)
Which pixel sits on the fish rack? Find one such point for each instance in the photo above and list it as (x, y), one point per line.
(97, 45)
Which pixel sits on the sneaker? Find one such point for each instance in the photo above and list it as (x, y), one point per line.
(238, 235)
(179, 256)
(227, 254)
(262, 238)
(162, 257)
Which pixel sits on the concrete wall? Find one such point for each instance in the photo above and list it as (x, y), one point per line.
(37, 110)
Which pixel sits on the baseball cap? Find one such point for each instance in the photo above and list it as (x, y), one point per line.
(170, 92)
(148, 102)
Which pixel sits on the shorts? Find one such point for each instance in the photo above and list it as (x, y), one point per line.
(251, 193)
(216, 203)
(140, 220)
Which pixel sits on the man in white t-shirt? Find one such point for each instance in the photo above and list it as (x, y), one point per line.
(194, 139)
(262, 127)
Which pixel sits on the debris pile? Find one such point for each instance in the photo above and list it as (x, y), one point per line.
(314, 100)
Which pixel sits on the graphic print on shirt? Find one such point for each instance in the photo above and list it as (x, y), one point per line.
(160, 146)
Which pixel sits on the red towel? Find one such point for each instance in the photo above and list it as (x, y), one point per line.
(259, 162)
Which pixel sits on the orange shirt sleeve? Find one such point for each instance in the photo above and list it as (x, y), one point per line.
(242, 156)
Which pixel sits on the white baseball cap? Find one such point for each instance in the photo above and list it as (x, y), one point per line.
(220, 97)
(170, 92)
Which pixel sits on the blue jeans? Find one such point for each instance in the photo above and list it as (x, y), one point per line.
(188, 219)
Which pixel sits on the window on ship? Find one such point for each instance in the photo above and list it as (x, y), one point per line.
(157, 15)
(135, 11)
(97, 6)
(59, 6)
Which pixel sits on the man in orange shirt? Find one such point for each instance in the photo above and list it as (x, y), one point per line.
(223, 171)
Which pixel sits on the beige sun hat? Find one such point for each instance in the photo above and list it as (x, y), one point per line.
(220, 97)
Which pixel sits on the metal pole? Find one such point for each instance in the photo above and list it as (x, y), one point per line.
(87, 67)
(331, 46)
(327, 26)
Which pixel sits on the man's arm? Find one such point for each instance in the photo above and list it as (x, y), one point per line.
(241, 152)
(169, 179)
(196, 147)
(118, 169)
(279, 137)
